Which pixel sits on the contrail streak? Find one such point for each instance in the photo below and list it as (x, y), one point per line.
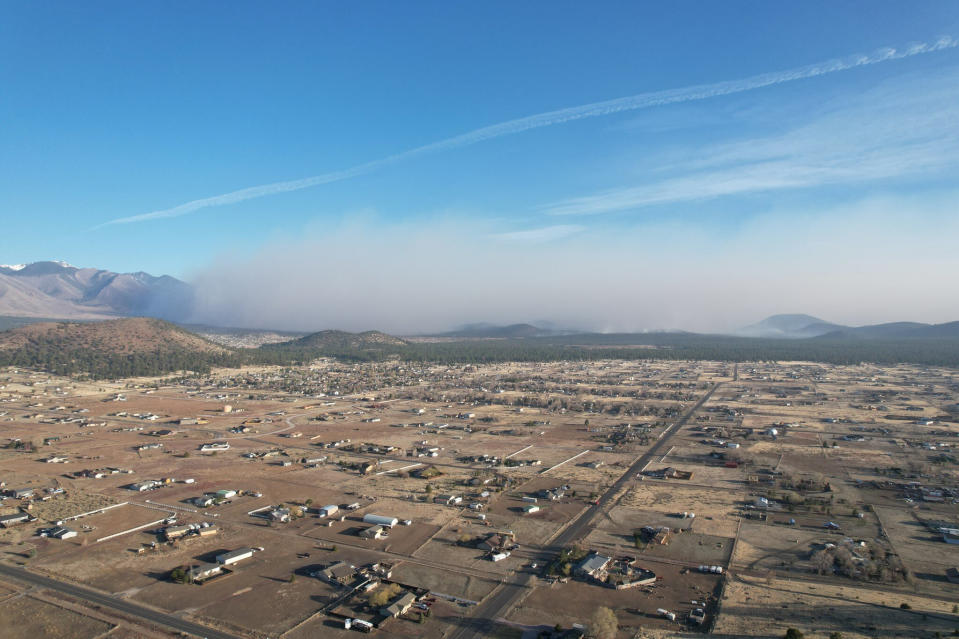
(596, 109)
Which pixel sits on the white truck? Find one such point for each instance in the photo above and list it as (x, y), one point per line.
(358, 624)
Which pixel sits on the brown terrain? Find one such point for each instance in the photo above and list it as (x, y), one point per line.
(119, 336)
(821, 444)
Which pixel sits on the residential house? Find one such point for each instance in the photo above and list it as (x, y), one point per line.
(491, 543)
(281, 515)
(339, 573)
(593, 566)
(204, 571)
(400, 606)
(373, 532)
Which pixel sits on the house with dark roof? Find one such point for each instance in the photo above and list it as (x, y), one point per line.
(16, 518)
(339, 573)
(62, 532)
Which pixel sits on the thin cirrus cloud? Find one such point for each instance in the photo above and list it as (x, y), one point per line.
(904, 128)
(550, 118)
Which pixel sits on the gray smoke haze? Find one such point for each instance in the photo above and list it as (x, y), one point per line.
(874, 261)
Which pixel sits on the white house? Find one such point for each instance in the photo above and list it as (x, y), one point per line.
(373, 532)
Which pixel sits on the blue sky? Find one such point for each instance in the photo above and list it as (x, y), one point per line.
(111, 111)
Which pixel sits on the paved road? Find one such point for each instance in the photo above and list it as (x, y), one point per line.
(116, 603)
(500, 602)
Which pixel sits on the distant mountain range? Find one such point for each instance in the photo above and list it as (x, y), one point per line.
(369, 343)
(798, 326)
(58, 290)
(793, 326)
(483, 330)
(790, 326)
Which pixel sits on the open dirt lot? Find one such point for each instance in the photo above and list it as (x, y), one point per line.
(766, 608)
(656, 504)
(923, 551)
(30, 618)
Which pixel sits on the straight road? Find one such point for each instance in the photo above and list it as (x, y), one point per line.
(116, 603)
(480, 624)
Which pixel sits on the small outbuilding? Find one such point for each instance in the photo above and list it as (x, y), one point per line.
(326, 511)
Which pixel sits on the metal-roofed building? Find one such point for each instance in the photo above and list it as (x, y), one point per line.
(62, 532)
(234, 556)
(593, 566)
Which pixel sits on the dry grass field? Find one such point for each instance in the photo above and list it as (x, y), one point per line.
(30, 618)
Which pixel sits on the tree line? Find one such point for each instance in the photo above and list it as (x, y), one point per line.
(56, 356)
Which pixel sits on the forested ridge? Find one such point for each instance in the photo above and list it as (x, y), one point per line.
(139, 347)
(662, 346)
(110, 349)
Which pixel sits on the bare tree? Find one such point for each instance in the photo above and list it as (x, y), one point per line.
(823, 561)
(603, 624)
